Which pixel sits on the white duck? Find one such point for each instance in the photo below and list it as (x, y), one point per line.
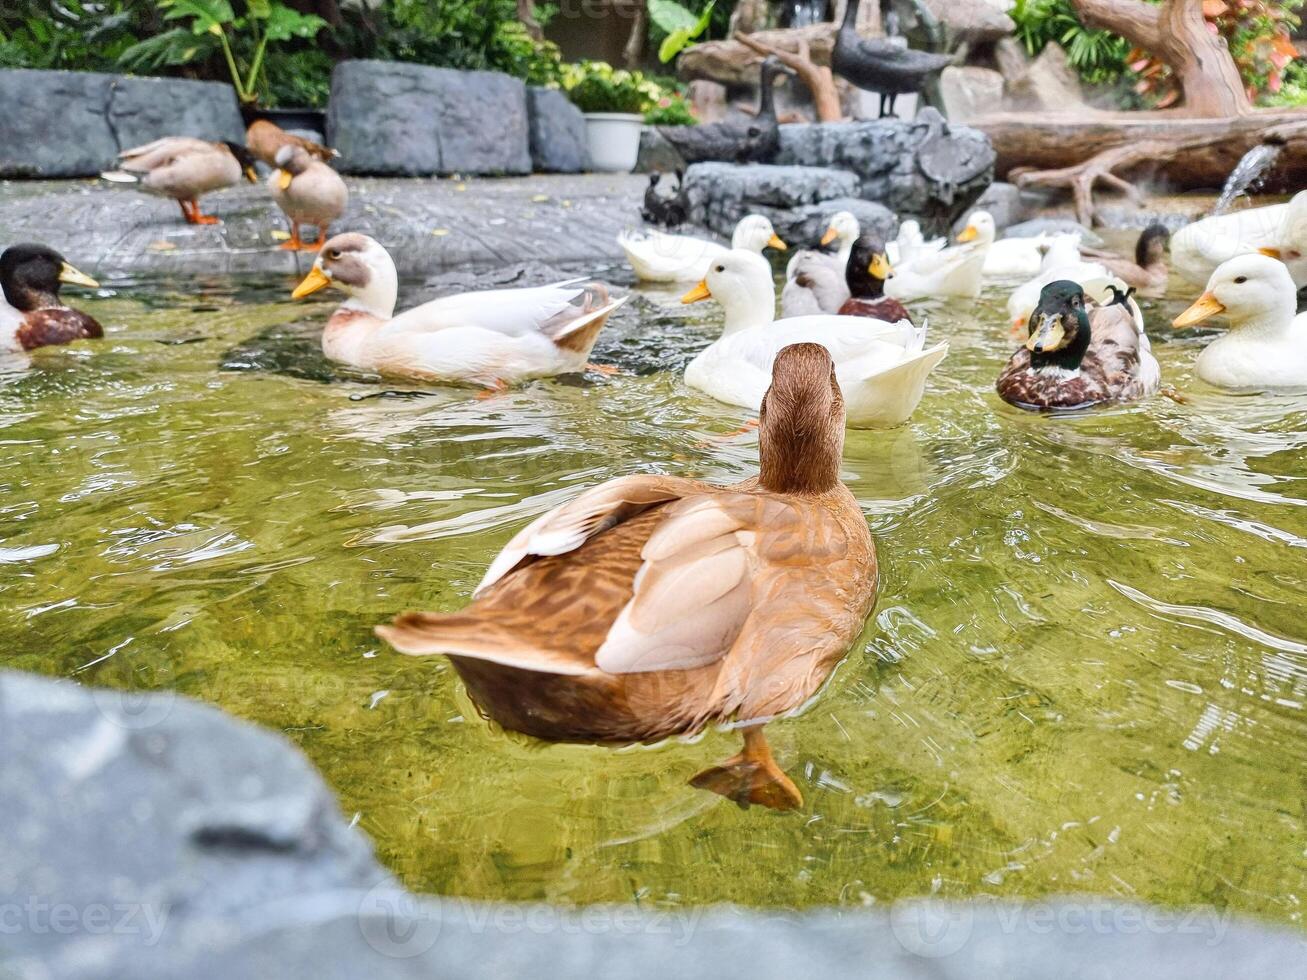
(491, 338)
(659, 257)
(955, 271)
(1063, 261)
(881, 367)
(1279, 230)
(814, 281)
(1016, 258)
(1267, 343)
(910, 242)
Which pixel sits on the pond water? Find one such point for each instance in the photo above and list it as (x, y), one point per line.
(1086, 671)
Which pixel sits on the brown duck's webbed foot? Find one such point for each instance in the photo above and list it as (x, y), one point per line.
(605, 369)
(315, 245)
(752, 777)
(293, 244)
(195, 216)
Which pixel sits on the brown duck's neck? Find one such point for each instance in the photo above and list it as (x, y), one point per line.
(800, 462)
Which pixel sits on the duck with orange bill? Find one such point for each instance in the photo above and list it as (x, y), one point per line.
(652, 605)
(493, 338)
(309, 192)
(882, 367)
(1266, 345)
(31, 313)
(184, 169)
(956, 271)
(1278, 231)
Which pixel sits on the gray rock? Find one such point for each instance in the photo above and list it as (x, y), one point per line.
(969, 92)
(971, 21)
(557, 131)
(657, 155)
(149, 836)
(718, 195)
(1003, 201)
(1053, 226)
(407, 120)
(1136, 219)
(1049, 84)
(923, 167)
(73, 124)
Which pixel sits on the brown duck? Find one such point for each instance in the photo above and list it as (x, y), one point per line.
(652, 606)
(309, 192)
(263, 139)
(184, 168)
(31, 313)
(1080, 354)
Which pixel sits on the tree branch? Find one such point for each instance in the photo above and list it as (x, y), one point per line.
(818, 78)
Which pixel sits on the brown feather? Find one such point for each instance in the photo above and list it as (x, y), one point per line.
(56, 325)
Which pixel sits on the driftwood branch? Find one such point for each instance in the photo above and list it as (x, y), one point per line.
(818, 78)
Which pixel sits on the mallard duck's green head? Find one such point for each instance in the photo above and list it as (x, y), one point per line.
(1059, 326)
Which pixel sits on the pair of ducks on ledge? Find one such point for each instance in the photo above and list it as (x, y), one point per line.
(184, 168)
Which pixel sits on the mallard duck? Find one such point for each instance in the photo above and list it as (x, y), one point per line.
(1015, 258)
(910, 242)
(1062, 262)
(1267, 343)
(887, 67)
(815, 281)
(882, 367)
(264, 138)
(1149, 271)
(652, 606)
(31, 314)
(1278, 230)
(1080, 353)
(755, 140)
(184, 168)
(491, 338)
(664, 206)
(865, 275)
(659, 257)
(955, 271)
(310, 193)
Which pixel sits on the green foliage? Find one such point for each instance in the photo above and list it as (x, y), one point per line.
(71, 34)
(671, 108)
(682, 26)
(1099, 57)
(1293, 88)
(596, 86)
(214, 25)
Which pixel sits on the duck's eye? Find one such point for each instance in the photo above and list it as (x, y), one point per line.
(720, 268)
(334, 253)
(1240, 280)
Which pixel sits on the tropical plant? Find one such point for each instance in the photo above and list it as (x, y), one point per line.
(72, 34)
(672, 108)
(682, 26)
(1099, 57)
(596, 86)
(242, 39)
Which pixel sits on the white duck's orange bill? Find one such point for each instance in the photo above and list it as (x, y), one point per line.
(775, 242)
(315, 280)
(1206, 305)
(699, 292)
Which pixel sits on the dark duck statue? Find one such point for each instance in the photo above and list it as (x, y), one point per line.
(756, 140)
(881, 65)
(865, 275)
(1080, 354)
(664, 205)
(31, 314)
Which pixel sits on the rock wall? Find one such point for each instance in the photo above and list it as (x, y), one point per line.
(148, 836)
(73, 124)
(557, 131)
(404, 120)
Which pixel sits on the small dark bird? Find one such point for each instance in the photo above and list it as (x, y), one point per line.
(664, 206)
(756, 140)
(865, 274)
(31, 314)
(881, 65)
(1080, 354)
(1149, 270)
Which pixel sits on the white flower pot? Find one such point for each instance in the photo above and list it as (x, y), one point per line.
(614, 140)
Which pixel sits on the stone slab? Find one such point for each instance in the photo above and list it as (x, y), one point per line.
(557, 131)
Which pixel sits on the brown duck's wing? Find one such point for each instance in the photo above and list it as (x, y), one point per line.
(57, 325)
(162, 151)
(1113, 358)
(1024, 387)
(885, 308)
(264, 139)
(668, 588)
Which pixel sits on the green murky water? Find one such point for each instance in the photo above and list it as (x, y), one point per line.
(1086, 672)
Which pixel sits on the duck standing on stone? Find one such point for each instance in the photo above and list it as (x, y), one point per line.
(881, 65)
(31, 314)
(183, 168)
(756, 140)
(310, 193)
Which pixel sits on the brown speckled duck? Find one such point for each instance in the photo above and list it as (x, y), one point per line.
(1080, 354)
(651, 606)
(31, 314)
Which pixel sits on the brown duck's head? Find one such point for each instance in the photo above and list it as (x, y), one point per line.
(1152, 244)
(293, 159)
(801, 438)
(245, 159)
(30, 276)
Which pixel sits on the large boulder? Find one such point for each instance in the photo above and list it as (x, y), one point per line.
(404, 120)
(717, 195)
(969, 92)
(1049, 84)
(557, 130)
(923, 167)
(804, 226)
(970, 21)
(73, 124)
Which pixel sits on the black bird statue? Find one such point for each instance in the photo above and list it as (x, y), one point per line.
(881, 65)
(756, 140)
(664, 206)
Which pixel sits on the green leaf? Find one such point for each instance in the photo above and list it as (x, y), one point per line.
(673, 44)
(175, 47)
(705, 19)
(284, 23)
(672, 17)
(207, 16)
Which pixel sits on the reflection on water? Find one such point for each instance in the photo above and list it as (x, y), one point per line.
(1087, 669)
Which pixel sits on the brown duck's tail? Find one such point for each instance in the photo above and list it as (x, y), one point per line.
(469, 634)
(579, 332)
(751, 777)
